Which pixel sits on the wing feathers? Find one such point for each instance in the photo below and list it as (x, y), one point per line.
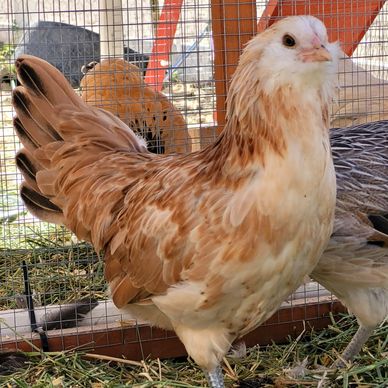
(122, 290)
(380, 222)
(158, 218)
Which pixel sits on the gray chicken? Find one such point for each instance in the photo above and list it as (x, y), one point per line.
(355, 264)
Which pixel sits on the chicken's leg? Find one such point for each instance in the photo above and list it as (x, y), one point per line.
(354, 346)
(215, 378)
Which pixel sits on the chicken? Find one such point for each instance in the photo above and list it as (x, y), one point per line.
(209, 243)
(355, 264)
(118, 86)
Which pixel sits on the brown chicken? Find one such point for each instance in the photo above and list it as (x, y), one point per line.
(118, 87)
(209, 243)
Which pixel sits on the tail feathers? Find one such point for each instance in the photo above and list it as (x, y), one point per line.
(45, 154)
(28, 167)
(36, 118)
(62, 136)
(47, 179)
(40, 206)
(38, 203)
(48, 110)
(102, 129)
(24, 136)
(43, 79)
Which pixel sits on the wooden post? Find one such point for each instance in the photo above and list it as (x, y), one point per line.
(234, 23)
(346, 20)
(111, 29)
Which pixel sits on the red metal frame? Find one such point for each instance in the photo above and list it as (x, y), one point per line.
(352, 17)
(348, 30)
(161, 49)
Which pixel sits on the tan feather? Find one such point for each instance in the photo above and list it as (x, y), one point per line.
(213, 240)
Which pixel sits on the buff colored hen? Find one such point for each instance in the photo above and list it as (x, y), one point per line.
(118, 87)
(209, 243)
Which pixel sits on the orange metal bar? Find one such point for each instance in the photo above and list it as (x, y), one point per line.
(161, 49)
(346, 20)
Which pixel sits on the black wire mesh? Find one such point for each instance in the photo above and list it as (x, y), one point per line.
(70, 35)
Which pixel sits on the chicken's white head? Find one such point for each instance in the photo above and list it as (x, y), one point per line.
(293, 62)
(295, 51)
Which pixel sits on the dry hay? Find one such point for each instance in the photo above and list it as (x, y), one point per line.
(300, 363)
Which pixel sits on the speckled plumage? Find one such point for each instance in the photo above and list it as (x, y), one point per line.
(208, 243)
(355, 264)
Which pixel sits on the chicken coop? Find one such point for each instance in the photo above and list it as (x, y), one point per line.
(175, 57)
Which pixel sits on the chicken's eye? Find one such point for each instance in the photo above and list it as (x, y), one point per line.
(288, 41)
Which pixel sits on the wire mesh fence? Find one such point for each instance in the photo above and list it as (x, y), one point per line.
(176, 50)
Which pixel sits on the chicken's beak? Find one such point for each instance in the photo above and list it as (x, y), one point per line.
(316, 54)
